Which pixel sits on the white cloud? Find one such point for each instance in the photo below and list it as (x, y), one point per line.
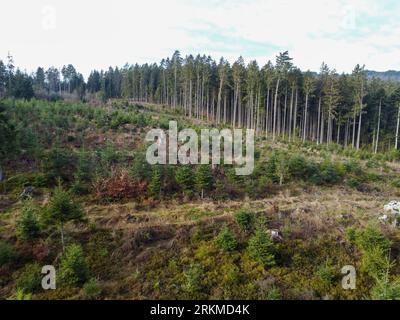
(96, 34)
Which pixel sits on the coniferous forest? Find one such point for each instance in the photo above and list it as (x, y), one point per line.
(316, 219)
(359, 109)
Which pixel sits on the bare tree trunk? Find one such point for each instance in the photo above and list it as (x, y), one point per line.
(305, 119)
(319, 121)
(266, 115)
(359, 130)
(275, 107)
(397, 127)
(354, 129)
(378, 129)
(62, 237)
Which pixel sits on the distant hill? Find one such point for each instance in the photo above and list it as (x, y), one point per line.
(387, 75)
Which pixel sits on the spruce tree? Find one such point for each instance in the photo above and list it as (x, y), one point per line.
(184, 177)
(204, 179)
(27, 227)
(63, 209)
(155, 183)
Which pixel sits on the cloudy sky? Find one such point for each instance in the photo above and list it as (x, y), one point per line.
(95, 34)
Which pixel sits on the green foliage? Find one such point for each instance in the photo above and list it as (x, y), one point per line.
(274, 294)
(384, 289)
(184, 177)
(326, 273)
(375, 261)
(27, 226)
(261, 248)
(59, 162)
(298, 167)
(155, 183)
(204, 179)
(271, 168)
(73, 267)
(369, 238)
(84, 172)
(245, 219)
(92, 289)
(7, 136)
(29, 279)
(282, 168)
(7, 253)
(62, 208)
(20, 295)
(226, 240)
(99, 260)
(140, 168)
(193, 279)
(331, 173)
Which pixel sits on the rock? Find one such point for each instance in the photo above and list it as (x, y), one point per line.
(393, 207)
(274, 234)
(392, 214)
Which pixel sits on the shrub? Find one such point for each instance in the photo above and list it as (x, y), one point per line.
(155, 183)
(354, 183)
(375, 248)
(73, 267)
(184, 177)
(60, 162)
(27, 227)
(385, 289)
(193, 275)
(62, 209)
(226, 240)
(29, 279)
(274, 294)
(326, 274)
(353, 167)
(261, 248)
(331, 173)
(92, 289)
(7, 253)
(140, 168)
(20, 295)
(271, 167)
(245, 219)
(298, 167)
(204, 179)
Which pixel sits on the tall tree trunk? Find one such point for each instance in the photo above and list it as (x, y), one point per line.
(62, 236)
(319, 121)
(397, 127)
(379, 125)
(305, 118)
(267, 115)
(275, 110)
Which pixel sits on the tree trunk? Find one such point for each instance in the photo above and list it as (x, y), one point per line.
(62, 237)
(275, 107)
(305, 119)
(397, 127)
(378, 129)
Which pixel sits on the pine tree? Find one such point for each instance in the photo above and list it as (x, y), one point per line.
(184, 177)
(155, 183)
(62, 209)
(261, 248)
(27, 227)
(74, 270)
(204, 179)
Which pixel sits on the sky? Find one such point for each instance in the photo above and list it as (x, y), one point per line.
(96, 34)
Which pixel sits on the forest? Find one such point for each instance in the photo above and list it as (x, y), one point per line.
(361, 109)
(77, 193)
